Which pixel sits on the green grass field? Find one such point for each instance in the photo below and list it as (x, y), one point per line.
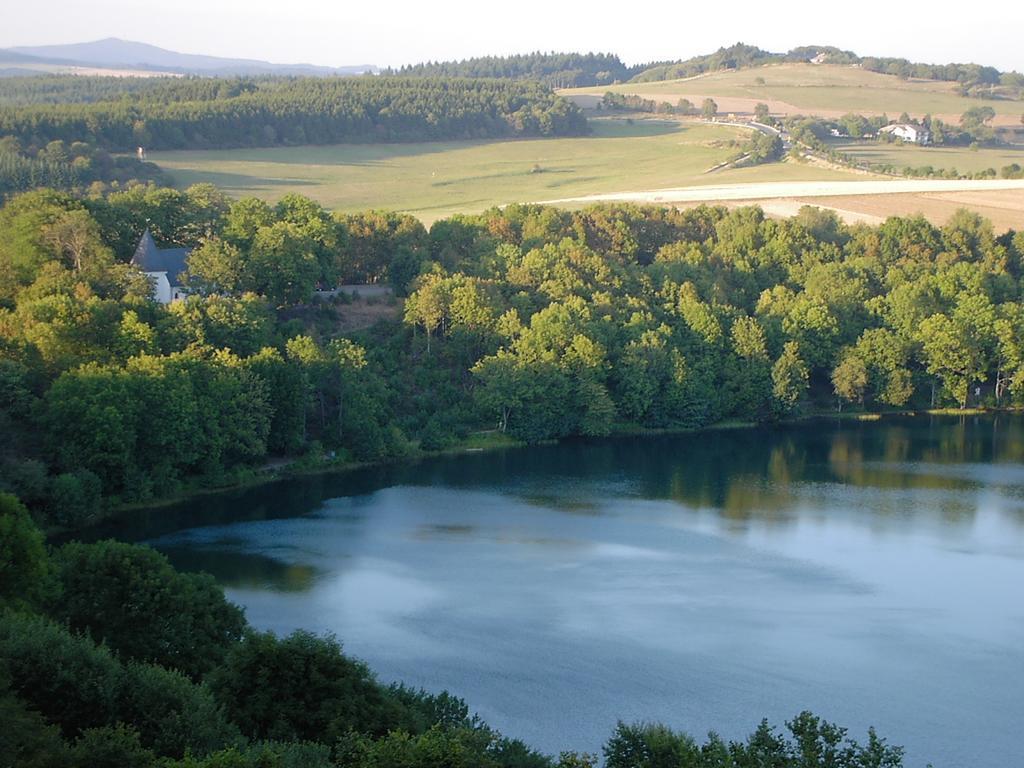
(961, 158)
(818, 89)
(434, 180)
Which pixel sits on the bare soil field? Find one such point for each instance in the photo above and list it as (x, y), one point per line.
(869, 202)
(83, 71)
(784, 208)
(738, 105)
(1004, 208)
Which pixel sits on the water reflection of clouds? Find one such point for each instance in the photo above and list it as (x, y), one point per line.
(615, 551)
(442, 530)
(856, 568)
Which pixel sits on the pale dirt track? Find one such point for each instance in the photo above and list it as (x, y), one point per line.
(867, 202)
(777, 189)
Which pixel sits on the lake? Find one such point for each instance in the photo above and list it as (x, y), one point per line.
(871, 572)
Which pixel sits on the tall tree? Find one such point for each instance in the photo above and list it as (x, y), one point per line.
(789, 379)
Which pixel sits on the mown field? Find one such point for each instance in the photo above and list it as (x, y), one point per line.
(825, 90)
(962, 159)
(437, 179)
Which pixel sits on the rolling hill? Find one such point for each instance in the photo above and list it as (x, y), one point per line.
(127, 56)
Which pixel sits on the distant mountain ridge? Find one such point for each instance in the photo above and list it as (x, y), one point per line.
(114, 53)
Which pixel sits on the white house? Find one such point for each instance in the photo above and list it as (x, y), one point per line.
(915, 134)
(163, 267)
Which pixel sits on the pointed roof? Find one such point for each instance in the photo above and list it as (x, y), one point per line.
(144, 249)
(149, 258)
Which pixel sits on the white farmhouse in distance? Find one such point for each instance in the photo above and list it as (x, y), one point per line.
(163, 267)
(914, 134)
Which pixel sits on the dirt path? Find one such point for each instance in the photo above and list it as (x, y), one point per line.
(800, 189)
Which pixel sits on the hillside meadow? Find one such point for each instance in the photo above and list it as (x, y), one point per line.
(825, 90)
(436, 179)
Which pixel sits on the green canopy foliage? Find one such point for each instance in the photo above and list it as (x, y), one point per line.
(540, 322)
(131, 600)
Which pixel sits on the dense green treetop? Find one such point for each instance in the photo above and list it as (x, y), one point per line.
(300, 688)
(74, 165)
(131, 600)
(538, 321)
(85, 89)
(24, 567)
(559, 70)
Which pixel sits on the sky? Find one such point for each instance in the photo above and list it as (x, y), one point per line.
(395, 32)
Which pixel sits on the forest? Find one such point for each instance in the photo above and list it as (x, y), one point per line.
(78, 166)
(558, 70)
(89, 89)
(532, 321)
(222, 113)
(573, 70)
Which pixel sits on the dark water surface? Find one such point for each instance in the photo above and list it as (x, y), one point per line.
(870, 572)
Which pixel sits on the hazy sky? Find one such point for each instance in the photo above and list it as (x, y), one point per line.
(407, 31)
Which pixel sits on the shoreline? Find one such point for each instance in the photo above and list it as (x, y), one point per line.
(487, 441)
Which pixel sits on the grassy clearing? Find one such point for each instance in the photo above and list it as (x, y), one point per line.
(819, 89)
(961, 158)
(437, 179)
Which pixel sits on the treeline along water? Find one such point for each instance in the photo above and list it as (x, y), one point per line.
(868, 571)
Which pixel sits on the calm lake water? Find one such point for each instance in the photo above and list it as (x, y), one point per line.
(870, 572)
